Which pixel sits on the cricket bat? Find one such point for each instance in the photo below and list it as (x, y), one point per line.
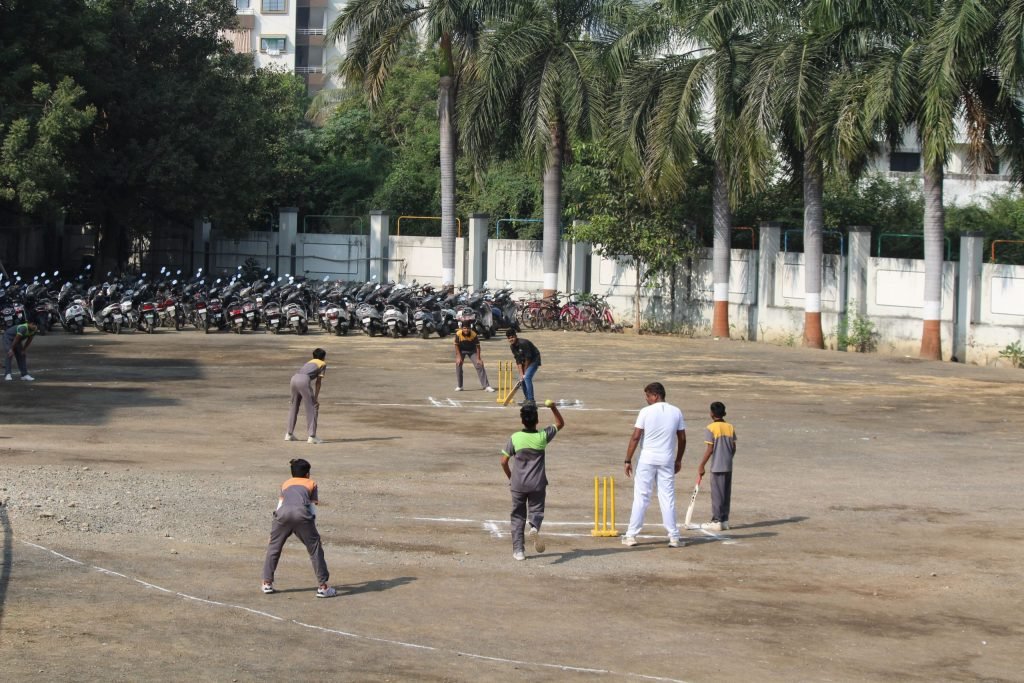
(693, 500)
(512, 394)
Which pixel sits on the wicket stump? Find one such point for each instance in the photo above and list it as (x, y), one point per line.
(604, 513)
(506, 379)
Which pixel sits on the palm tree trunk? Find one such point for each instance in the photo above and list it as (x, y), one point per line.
(814, 219)
(552, 212)
(721, 252)
(445, 112)
(934, 226)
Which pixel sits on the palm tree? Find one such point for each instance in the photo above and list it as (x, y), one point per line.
(790, 98)
(377, 32)
(538, 75)
(959, 74)
(666, 101)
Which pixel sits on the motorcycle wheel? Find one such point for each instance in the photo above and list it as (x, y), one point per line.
(442, 331)
(273, 330)
(78, 329)
(425, 333)
(179, 325)
(206, 326)
(302, 329)
(117, 328)
(394, 333)
(371, 331)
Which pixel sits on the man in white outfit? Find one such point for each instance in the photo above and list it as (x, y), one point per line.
(663, 430)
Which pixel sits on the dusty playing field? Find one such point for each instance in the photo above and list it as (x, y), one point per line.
(877, 517)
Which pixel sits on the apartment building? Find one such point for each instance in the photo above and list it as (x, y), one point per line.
(291, 34)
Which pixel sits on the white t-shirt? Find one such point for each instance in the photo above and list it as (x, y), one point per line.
(660, 422)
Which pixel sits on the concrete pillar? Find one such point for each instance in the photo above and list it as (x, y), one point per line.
(968, 300)
(769, 240)
(858, 255)
(200, 246)
(581, 252)
(287, 236)
(476, 268)
(380, 235)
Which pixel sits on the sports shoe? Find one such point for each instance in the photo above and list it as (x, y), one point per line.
(519, 555)
(725, 526)
(538, 542)
(326, 591)
(314, 440)
(489, 389)
(711, 526)
(676, 543)
(8, 378)
(629, 540)
(268, 588)
(458, 388)
(289, 437)
(28, 378)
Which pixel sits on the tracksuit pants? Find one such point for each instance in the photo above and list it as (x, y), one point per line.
(526, 504)
(302, 390)
(295, 520)
(481, 373)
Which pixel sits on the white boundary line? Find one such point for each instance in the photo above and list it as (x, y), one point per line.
(358, 636)
(494, 528)
(461, 404)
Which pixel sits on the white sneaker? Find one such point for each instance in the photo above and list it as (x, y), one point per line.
(28, 378)
(489, 389)
(725, 526)
(289, 437)
(458, 388)
(8, 378)
(268, 588)
(519, 555)
(326, 592)
(629, 540)
(676, 543)
(314, 440)
(538, 542)
(711, 526)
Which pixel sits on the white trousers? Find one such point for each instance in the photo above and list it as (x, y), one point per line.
(644, 480)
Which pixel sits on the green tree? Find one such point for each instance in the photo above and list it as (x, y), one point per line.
(376, 32)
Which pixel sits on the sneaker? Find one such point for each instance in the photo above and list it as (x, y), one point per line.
(326, 591)
(314, 440)
(519, 555)
(489, 389)
(725, 526)
(711, 526)
(268, 588)
(8, 378)
(458, 388)
(289, 437)
(28, 378)
(629, 540)
(676, 543)
(538, 542)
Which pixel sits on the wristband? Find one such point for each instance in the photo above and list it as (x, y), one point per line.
(628, 462)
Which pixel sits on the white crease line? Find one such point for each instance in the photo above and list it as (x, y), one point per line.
(451, 403)
(493, 529)
(492, 526)
(347, 634)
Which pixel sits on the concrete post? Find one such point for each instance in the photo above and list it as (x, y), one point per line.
(287, 236)
(858, 255)
(476, 269)
(769, 239)
(581, 252)
(380, 235)
(968, 300)
(200, 245)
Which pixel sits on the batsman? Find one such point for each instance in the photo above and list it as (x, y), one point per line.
(527, 359)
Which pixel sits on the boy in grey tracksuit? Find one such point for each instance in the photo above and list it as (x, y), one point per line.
(296, 514)
(527, 476)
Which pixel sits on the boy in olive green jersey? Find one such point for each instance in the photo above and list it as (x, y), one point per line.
(523, 462)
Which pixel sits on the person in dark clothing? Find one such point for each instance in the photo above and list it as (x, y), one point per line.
(528, 360)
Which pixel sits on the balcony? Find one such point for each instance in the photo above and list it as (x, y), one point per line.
(310, 36)
(246, 18)
(311, 3)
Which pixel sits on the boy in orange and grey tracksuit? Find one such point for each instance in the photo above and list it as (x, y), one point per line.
(296, 514)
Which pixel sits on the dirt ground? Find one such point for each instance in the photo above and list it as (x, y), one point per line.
(877, 517)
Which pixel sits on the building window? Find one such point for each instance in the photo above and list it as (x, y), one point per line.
(272, 45)
(274, 6)
(241, 4)
(906, 162)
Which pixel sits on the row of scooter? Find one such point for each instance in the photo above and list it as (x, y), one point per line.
(251, 302)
